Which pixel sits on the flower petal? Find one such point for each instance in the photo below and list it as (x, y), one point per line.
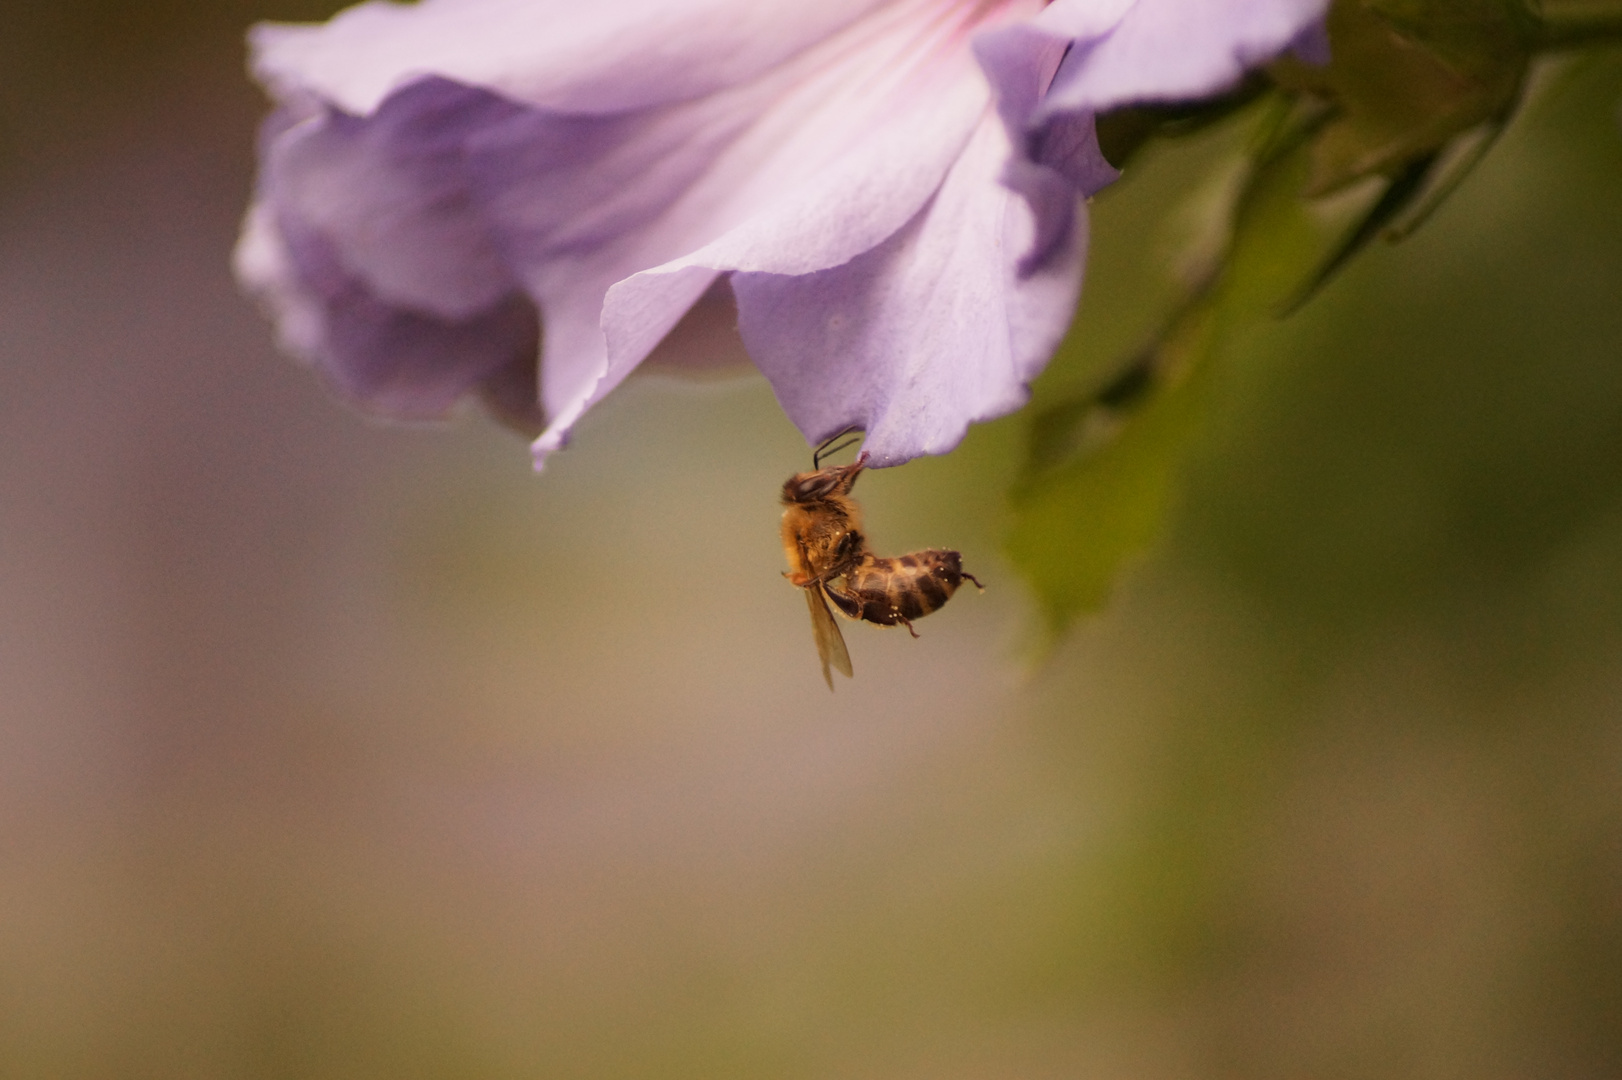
(365, 245)
(1021, 61)
(1166, 50)
(924, 334)
(799, 162)
(796, 172)
(860, 198)
(398, 362)
(389, 195)
(607, 56)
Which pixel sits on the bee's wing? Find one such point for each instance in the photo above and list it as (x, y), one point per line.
(830, 642)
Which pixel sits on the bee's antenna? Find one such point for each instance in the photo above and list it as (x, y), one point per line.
(826, 449)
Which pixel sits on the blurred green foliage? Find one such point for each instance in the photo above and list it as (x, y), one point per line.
(1410, 492)
(1296, 174)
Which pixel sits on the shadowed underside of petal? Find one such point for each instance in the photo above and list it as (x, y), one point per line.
(1021, 61)
(367, 247)
(396, 361)
(412, 366)
(390, 198)
(934, 329)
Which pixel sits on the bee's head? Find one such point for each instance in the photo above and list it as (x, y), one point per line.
(814, 487)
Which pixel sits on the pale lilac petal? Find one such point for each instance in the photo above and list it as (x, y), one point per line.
(799, 171)
(924, 334)
(265, 269)
(366, 246)
(1166, 50)
(447, 197)
(1021, 61)
(398, 362)
(1053, 160)
(822, 219)
(589, 56)
(412, 366)
(390, 195)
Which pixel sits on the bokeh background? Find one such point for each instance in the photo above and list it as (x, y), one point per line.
(337, 749)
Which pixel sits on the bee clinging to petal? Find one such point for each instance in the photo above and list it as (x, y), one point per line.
(828, 558)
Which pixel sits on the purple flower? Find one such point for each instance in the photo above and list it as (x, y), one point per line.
(892, 189)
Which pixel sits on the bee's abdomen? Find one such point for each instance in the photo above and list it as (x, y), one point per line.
(891, 591)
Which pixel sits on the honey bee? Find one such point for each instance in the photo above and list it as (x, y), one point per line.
(829, 560)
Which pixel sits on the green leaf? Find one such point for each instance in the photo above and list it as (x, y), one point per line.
(1416, 93)
(1103, 461)
(1406, 78)
(1101, 500)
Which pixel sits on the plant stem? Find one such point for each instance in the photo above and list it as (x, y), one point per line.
(1569, 23)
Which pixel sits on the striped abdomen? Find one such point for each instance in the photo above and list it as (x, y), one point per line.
(892, 591)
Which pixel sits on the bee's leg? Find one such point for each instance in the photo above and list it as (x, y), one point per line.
(974, 579)
(848, 603)
(847, 553)
(826, 447)
(904, 621)
(848, 545)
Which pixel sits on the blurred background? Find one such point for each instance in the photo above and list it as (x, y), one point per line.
(337, 749)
